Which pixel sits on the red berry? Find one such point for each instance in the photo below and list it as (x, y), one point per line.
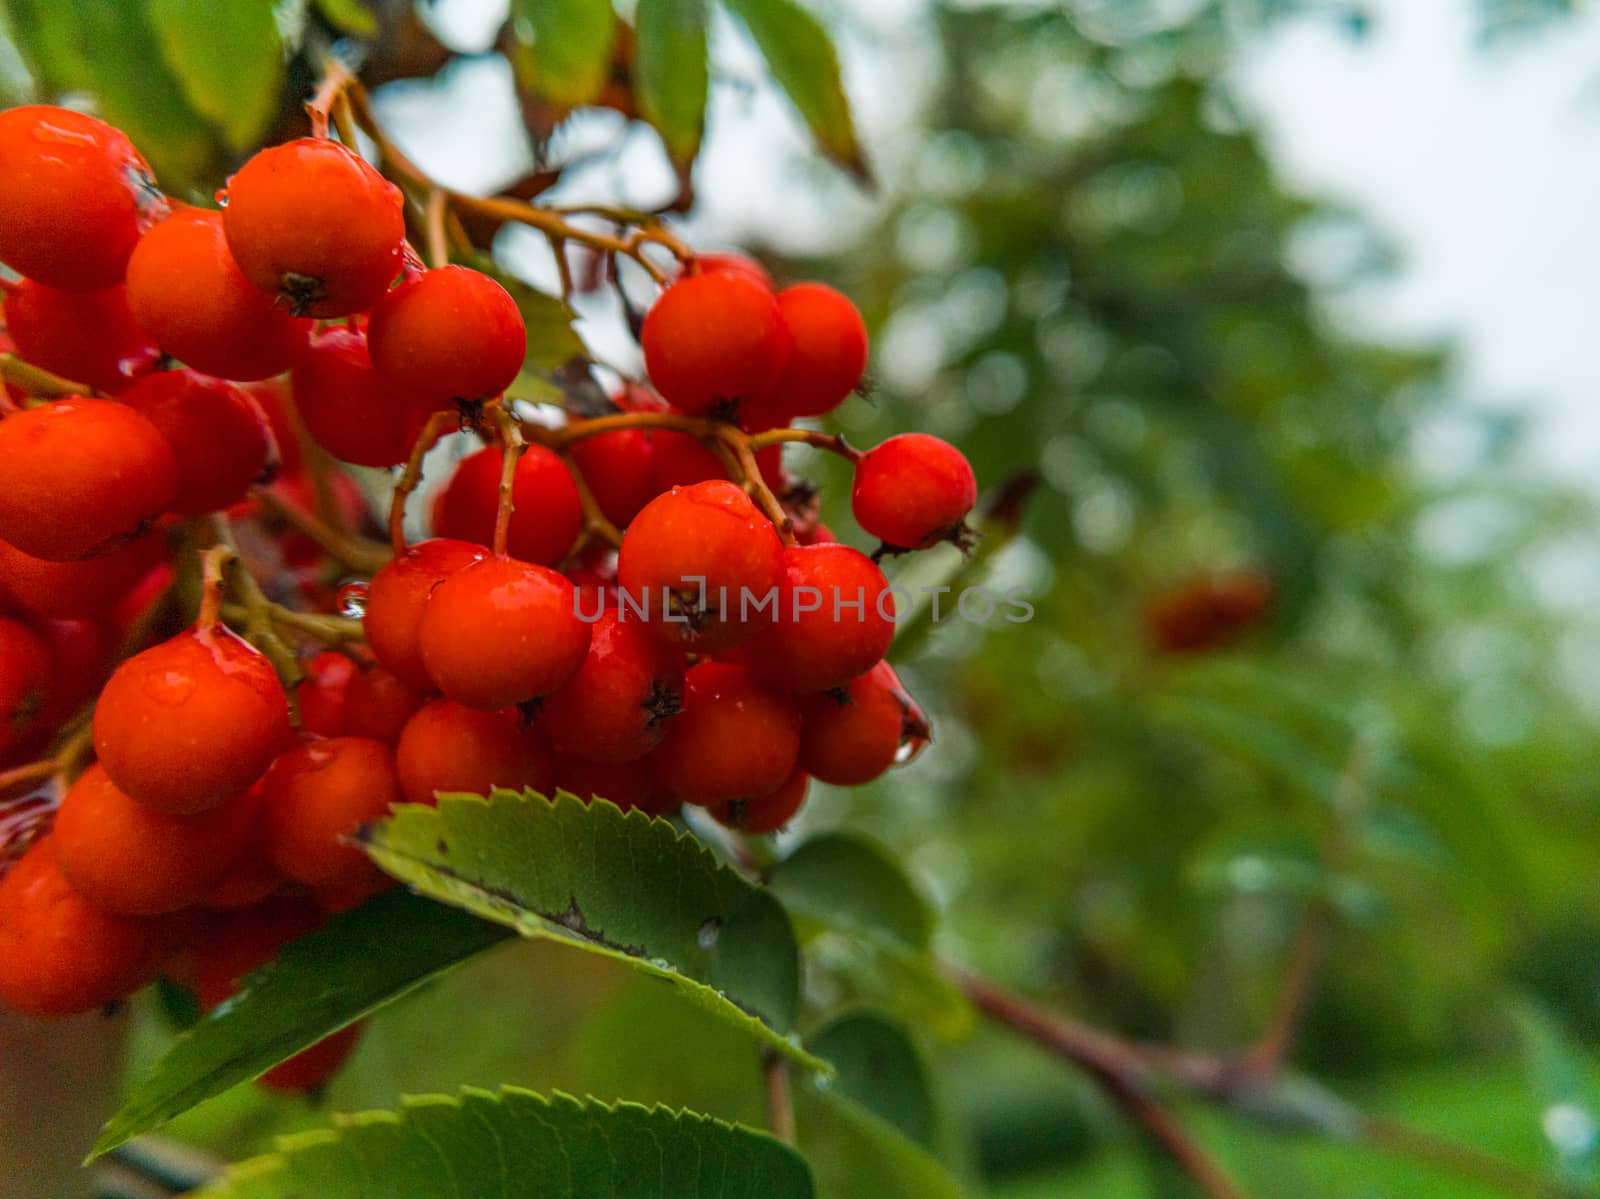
(733, 740)
(24, 681)
(912, 491)
(59, 954)
(313, 225)
(693, 557)
(316, 795)
(129, 859)
(765, 813)
(235, 945)
(680, 459)
(452, 332)
(74, 197)
(852, 734)
(827, 354)
(80, 658)
(727, 262)
(835, 620)
(187, 293)
(351, 410)
(313, 1066)
(502, 632)
(220, 438)
(396, 598)
(381, 703)
(618, 468)
(546, 517)
(190, 723)
(616, 707)
(324, 694)
(446, 748)
(81, 477)
(273, 397)
(87, 336)
(713, 340)
(90, 588)
(626, 784)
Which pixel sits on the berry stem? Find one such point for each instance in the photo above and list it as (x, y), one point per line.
(335, 83)
(834, 443)
(511, 447)
(595, 524)
(748, 475)
(27, 774)
(412, 475)
(212, 561)
(330, 630)
(256, 608)
(564, 437)
(433, 218)
(357, 553)
(780, 1099)
(37, 381)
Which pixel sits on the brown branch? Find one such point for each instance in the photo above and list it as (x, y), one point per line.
(430, 434)
(37, 381)
(357, 553)
(780, 1099)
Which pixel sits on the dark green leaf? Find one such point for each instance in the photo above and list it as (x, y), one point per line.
(849, 883)
(228, 60)
(356, 963)
(670, 76)
(349, 15)
(519, 1145)
(855, 1154)
(563, 47)
(802, 59)
(880, 1069)
(615, 883)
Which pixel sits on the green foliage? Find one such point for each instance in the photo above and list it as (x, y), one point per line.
(673, 79)
(357, 963)
(849, 883)
(619, 884)
(563, 47)
(880, 1069)
(230, 67)
(517, 1143)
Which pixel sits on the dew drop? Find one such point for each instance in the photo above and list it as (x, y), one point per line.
(709, 932)
(222, 197)
(351, 599)
(1571, 1129)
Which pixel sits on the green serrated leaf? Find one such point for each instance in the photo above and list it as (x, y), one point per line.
(880, 1069)
(671, 77)
(355, 964)
(855, 1153)
(351, 16)
(516, 1144)
(802, 60)
(620, 884)
(849, 883)
(563, 47)
(228, 60)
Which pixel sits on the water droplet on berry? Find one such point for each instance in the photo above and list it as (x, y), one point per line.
(909, 750)
(351, 599)
(222, 197)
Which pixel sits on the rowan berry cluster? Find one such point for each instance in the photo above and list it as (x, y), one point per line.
(640, 606)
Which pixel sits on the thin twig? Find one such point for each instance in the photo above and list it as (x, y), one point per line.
(780, 1099)
(834, 443)
(357, 553)
(37, 381)
(433, 218)
(511, 447)
(431, 432)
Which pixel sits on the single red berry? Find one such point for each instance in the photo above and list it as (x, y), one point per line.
(733, 740)
(351, 410)
(132, 860)
(74, 197)
(547, 513)
(250, 880)
(912, 491)
(618, 468)
(312, 224)
(835, 620)
(312, 1067)
(190, 723)
(82, 476)
(381, 703)
(189, 295)
(315, 796)
(80, 658)
(712, 341)
(396, 598)
(448, 748)
(452, 333)
(87, 336)
(616, 707)
(90, 588)
(230, 947)
(626, 784)
(728, 262)
(323, 696)
(220, 438)
(697, 562)
(681, 459)
(852, 734)
(502, 632)
(765, 813)
(59, 953)
(272, 395)
(24, 682)
(827, 352)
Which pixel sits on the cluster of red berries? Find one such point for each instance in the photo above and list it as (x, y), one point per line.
(608, 612)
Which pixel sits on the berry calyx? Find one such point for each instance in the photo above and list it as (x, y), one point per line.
(733, 740)
(827, 352)
(692, 557)
(452, 333)
(317, 794)
(765, 813)
(129, 859)
(448, 748)
(74, 197)
(313, 225)
(502, 632)
(221, 442)
(81, 476)
(712, 341)
(190, 723)
(913, 491)
(397, 596)
(547, 513)
(616, 707)
(835, 620)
